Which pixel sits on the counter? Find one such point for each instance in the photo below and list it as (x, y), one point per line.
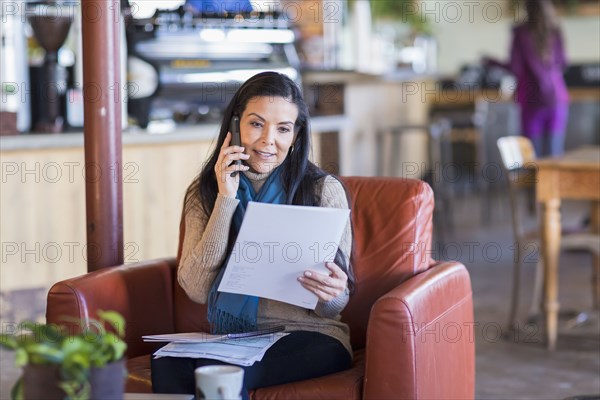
(134, 135)
(43, 197)
(467, 97)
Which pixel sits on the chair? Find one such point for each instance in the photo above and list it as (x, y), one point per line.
(518, 162)
(411, 318)
(439, 149)
(440, 153)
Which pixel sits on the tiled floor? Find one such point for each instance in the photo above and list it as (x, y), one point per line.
(509, 365)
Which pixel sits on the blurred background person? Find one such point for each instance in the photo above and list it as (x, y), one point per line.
(537, 59)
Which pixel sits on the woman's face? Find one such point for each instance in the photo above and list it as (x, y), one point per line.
(267, 131)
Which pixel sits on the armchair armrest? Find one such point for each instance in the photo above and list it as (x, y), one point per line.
(141, 292)
(420, 340)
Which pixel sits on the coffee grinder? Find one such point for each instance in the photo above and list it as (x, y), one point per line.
(50, 22)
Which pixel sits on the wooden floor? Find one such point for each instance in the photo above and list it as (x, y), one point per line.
(516, 365)
(509, 365)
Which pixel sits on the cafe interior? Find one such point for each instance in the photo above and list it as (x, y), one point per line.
(477, 260)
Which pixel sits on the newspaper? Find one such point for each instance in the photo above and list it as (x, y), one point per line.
(239, 351)
(203, 337)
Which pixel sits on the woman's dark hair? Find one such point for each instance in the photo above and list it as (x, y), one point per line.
(299, 175)
(542, 22)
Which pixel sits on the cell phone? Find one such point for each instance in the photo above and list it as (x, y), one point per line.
(236, 140)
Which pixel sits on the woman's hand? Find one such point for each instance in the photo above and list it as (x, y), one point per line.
(226, 165)
(326, 287)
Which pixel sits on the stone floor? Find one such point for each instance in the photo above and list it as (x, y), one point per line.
(510, 365)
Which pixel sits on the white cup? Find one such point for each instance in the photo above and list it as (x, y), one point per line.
(219, 382)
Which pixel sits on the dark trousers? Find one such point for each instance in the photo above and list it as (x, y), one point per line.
(297, 356)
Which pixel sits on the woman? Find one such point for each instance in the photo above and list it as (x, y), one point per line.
(537, 59)
(275, 141)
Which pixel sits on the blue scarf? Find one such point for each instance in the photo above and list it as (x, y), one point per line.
(230, 312)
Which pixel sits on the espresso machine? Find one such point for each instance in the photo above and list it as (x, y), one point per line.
(14, 77)
(189, 63)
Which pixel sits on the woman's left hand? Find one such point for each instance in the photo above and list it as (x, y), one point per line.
(325, 286)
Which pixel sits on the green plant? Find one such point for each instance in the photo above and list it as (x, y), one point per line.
(405, 11)
(76, 354)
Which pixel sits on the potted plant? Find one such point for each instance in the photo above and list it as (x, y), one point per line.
(58, 364)
(405, 11)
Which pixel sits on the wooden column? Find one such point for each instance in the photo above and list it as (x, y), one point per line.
(102, 132)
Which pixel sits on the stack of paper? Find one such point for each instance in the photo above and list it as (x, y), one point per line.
(243, 351)
(201, 337)
(192, 337)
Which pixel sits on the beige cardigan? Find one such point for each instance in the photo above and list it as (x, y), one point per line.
(204, 250)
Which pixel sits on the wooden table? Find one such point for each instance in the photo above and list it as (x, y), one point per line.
(576, 175)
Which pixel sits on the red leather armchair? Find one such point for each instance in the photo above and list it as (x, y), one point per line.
(411, 318)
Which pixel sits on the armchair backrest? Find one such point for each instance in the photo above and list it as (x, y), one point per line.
(392, 223)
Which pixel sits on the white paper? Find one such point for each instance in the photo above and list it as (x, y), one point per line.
(245, 351)
(203, 337)
(276, 244)
(191, 337)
